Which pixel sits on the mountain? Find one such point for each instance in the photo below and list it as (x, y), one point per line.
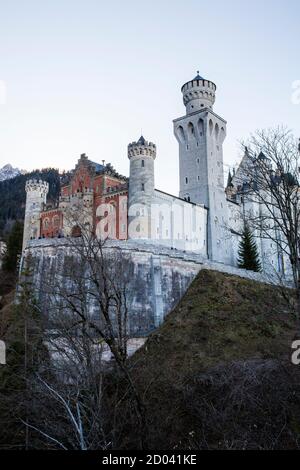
(8, 172)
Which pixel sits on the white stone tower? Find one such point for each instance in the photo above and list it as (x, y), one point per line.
(36, 194)
(141, 187)
(200, 134)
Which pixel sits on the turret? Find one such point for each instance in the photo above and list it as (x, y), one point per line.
(141, 184)
(198, 93)
(200, 135)
(36, 194)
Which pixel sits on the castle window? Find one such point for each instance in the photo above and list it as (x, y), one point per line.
(186, 180)
(143, 187)
(46, 223)
(143, 163)
(180, 134)
(198, 160)
(56, 221)
(198, 178)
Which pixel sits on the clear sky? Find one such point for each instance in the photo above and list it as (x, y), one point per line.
(87, 76)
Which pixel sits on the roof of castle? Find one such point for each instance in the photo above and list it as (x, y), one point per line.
(198, 77)
(262, 156)
(97, 166)
(229, 180)
(141, 140)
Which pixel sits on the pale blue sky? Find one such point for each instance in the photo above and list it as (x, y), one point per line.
(86, 76)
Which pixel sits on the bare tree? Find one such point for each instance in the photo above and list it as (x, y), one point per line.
(67, 408)
(268, 180)
(87, 299)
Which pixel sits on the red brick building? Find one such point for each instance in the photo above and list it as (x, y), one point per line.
(98, 189)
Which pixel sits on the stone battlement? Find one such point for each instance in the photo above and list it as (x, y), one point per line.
(37, 185)
(142, 147)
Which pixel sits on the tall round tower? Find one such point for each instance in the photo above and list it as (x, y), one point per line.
(141, 186)
(36, 194)
(198, 93)
(200, 135)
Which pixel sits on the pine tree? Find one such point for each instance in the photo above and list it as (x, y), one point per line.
(14, 248)
(248, 257)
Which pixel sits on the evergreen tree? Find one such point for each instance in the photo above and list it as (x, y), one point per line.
(14, 248)
(23, 335)
(248, 255)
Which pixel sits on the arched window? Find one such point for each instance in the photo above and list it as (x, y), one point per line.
(201, 127)
(56, 221)
(191, 130)
(217, 131)
(46, 223)
(180, 134)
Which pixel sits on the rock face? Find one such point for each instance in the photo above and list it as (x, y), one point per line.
(8, 172)
(157, 278)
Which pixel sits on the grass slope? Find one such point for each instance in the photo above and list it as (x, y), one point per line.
(219, 365)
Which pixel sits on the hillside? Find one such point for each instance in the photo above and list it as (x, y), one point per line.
(217, 373)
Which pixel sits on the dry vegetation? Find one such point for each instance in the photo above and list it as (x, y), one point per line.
(217, 374)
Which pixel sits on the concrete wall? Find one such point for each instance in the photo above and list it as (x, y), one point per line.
(158, 277)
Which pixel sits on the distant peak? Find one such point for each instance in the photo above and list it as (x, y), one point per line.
(8, 172)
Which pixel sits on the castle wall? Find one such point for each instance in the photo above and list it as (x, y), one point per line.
(178, 223)
(158, 277)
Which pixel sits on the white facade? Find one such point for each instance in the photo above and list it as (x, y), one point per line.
(153, 215)
(204, 219)
(200, 135)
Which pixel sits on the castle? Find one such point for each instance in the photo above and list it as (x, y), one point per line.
(202, 225)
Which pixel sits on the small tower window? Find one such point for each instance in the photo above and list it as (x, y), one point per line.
(186, 180)
(143, 187)
(143, 163)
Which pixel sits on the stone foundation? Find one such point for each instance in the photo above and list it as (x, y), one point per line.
(159, 276)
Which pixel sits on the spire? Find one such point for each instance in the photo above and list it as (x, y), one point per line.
(141, 140)
(198, 77)
(229, 180)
